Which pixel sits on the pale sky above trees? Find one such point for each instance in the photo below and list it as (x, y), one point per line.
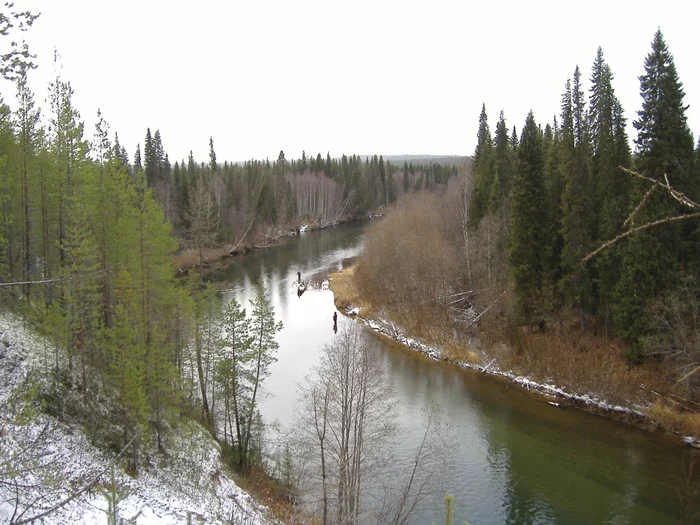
(385, 77)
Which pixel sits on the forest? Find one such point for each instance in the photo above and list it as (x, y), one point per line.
(570, 256)
(88, 238)
(562, 228)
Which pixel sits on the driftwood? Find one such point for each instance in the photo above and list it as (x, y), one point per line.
(232, 250)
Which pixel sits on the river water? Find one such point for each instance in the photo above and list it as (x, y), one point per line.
(513, 459)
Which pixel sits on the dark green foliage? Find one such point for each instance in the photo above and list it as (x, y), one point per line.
(528, 221)
(610, 152)
(577, 200)
(570, 195)
(654, 260)
(482, 170)
(504, 166)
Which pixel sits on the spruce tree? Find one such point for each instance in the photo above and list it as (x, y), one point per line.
(610, 152)
(654, 259)
(504, 165)
(528, 221)
(577, 202)
(482, 169)
(212, 156)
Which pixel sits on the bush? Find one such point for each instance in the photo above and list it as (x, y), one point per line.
(408, 265)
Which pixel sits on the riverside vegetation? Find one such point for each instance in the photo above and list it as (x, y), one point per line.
(570, 259)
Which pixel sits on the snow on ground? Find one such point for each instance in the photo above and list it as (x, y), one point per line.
(44, 462)
(394, 332)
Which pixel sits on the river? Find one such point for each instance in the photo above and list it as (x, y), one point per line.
(514, 459)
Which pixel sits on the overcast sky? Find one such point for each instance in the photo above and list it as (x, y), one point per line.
(385, 77)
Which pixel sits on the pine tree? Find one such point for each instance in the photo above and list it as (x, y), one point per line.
(212, 156)
(68, 149)
(233, 370)
(528, 221)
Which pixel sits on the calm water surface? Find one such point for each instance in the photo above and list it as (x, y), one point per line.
(517, 460)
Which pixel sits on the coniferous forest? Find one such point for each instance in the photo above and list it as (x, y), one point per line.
(591, 228)
(569, 250)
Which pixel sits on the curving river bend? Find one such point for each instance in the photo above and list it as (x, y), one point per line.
(516, 460)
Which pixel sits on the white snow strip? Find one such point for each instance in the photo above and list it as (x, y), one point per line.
(392, 331)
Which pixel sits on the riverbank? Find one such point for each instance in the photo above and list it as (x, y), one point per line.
(587, 376)
(216, 256)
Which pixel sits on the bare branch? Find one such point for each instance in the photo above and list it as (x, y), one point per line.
(55, 280)
(630, 219)
(675, 194)
(242, 238)
(635, 230)
(679, 196)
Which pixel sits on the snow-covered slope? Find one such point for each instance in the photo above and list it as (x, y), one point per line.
(45, 463)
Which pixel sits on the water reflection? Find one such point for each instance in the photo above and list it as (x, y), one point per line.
(516, 460)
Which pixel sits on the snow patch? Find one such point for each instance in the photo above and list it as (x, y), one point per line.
(189, 481)
(352, 311)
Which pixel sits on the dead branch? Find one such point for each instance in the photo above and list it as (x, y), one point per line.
(242, 238)
(675, 194)
(679, 196)
(56, 279)
(635, 230)
(482, 314)
(630, 219)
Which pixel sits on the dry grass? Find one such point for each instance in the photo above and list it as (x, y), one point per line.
(346, 294)
(190, 258)
(580, 363)
(671, 419)
(268, 492)
(586, 364)
(459, 352)
(425, 326)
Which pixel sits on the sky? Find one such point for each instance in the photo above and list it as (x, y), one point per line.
(365, 77)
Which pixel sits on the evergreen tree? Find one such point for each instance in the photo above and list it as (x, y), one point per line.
(577, 217)
(482, 168)
(528, 221)
(27, 132)
(263, 330)
(212, 156)
(233, 371)
(664, 141)
(504, 165)
(610, 151)
(554, 182)
(654, 259)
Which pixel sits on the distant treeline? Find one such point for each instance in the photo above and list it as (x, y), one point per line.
(271, 195)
